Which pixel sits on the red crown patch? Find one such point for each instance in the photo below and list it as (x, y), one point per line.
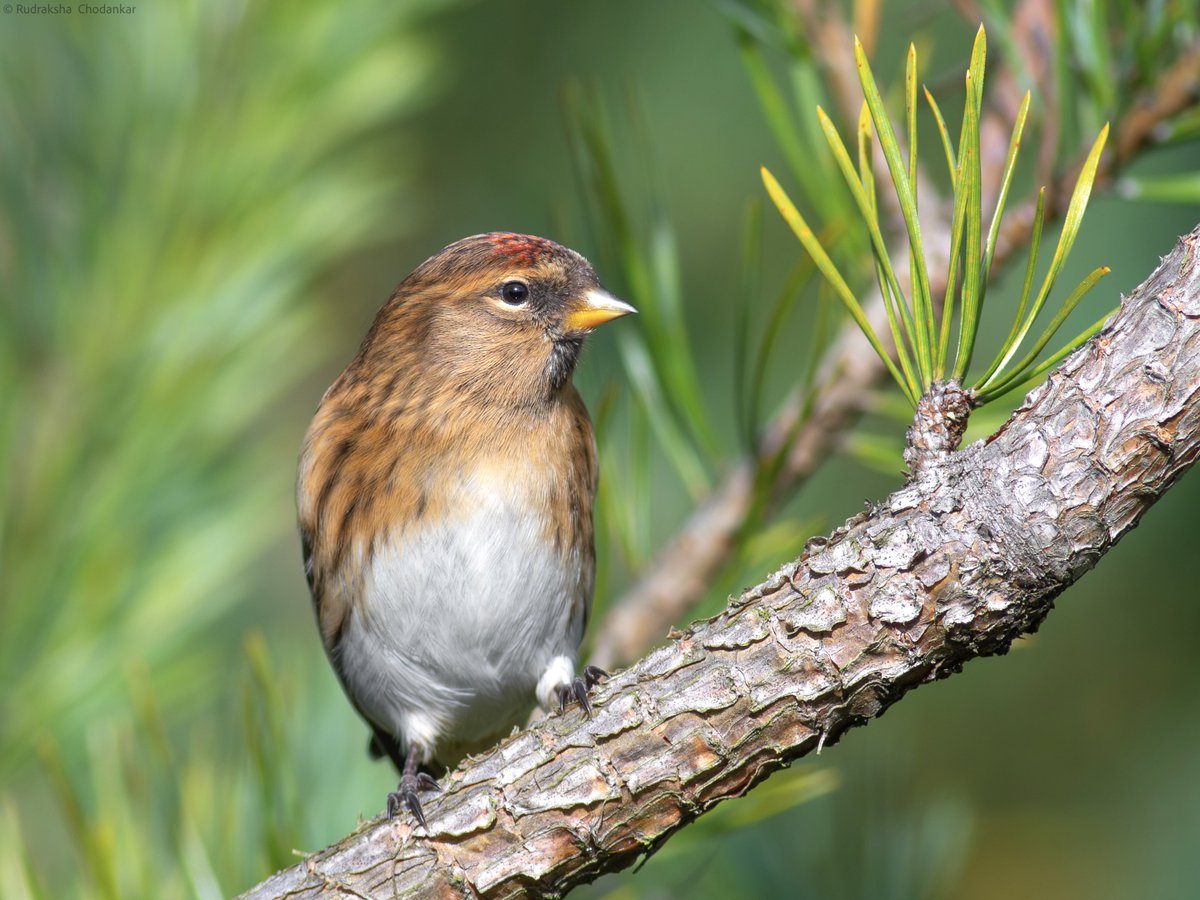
(524, 249)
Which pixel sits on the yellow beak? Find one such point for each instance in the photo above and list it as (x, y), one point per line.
(594, 308)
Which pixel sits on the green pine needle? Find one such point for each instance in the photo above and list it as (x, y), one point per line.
(1066, 240)
(1010, 165)
(1017, 373)
(800, 228)
(1049, 363)
(906, 195)
(863, 193)
(1009, 347)
(945, 135)
(969, 183)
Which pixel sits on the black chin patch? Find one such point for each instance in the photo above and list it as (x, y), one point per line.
(563, 357)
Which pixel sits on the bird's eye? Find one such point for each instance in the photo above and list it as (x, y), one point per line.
(514, 293)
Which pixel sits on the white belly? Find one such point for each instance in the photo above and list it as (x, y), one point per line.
(459, 620)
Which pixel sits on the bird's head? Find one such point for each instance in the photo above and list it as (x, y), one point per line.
(501, 313)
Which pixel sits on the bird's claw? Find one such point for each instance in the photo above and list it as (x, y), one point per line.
(578, 689)
(405, 795)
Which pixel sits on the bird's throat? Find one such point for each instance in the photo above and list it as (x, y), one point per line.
(564, 354)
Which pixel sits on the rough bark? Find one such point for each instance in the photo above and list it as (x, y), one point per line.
(968, 556)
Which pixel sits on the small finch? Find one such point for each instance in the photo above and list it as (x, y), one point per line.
(445, 503)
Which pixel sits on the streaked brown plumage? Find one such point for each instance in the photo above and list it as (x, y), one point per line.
(445, 501)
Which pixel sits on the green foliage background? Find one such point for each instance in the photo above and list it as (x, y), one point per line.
(202, 206)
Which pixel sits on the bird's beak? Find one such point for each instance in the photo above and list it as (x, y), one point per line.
(594, 308)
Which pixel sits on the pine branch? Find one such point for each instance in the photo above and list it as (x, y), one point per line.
(684, 569)
(964, 559)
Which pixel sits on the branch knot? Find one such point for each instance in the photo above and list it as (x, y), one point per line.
(938, 425)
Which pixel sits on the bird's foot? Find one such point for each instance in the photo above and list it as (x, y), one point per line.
(577, 689)
(405, 795)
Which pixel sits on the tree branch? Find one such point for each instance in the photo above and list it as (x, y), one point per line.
(963, 560)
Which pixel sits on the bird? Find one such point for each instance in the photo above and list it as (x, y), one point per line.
(444, 501)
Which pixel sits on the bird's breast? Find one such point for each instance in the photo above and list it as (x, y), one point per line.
(493, 554)
(460, 613)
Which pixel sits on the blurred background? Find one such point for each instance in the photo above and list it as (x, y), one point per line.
(204, 203)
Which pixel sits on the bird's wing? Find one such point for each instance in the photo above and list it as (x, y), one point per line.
(332, 607)
(321, 498)
(332, 615)
(587, 475)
